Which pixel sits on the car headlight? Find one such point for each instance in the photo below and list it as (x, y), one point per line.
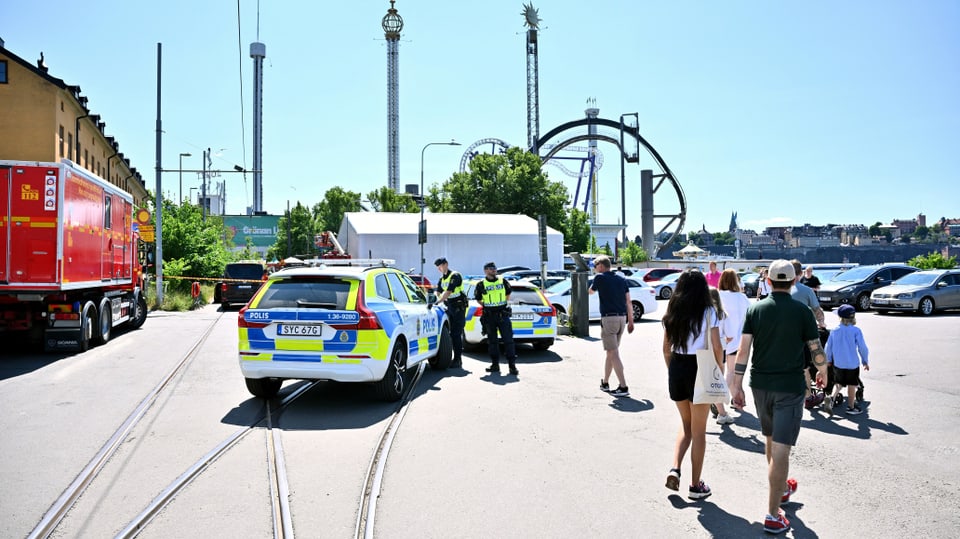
(845, 290)
(905, 295)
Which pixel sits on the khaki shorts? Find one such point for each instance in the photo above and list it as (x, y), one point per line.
(611, 329)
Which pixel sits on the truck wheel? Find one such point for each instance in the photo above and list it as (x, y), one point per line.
(104, 321)
(86, 326)
(265, 388)
(444, 356)
(391, 387)
(139, 313)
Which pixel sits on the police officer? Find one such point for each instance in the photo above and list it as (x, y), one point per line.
(450, 290)
(493, 293)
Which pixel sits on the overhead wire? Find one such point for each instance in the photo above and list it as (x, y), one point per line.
(243, 129)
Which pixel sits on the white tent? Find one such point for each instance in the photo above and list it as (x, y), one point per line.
(467, 240)
(690, 251)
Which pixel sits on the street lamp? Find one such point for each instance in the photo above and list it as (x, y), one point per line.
(422, 231)
(180, 202)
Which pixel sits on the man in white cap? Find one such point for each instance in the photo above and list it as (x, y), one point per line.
(778, 328)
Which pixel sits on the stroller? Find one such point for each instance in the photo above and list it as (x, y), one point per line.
(823, 395)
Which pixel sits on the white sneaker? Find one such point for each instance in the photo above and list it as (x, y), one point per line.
(725, 419)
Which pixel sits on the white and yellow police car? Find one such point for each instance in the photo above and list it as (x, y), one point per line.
(346, 324)
(533, 319)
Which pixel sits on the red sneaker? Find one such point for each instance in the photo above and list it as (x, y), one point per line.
(791, 489)
(777, 524)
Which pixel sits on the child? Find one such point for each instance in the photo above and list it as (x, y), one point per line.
(846, 350)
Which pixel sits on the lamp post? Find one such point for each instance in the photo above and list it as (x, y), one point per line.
(422, 231)
(180, 202)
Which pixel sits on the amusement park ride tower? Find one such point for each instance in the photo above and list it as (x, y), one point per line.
(392, 24)
(533, 84)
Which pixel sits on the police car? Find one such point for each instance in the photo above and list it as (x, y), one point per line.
(533, 319)
(346, 324)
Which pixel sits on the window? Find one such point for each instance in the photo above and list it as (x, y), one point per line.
(107, 203)
(70, 146)
(86, 159)
(61, 142)
(3, 71)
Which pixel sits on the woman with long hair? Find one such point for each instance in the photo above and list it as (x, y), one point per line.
(734, 305)
(690, 320)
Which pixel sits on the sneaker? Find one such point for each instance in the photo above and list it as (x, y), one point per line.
(791, 490)
(854, 411)
(699, 491)
(714, 410)
(621, 391)
(605, 387)
(673, 479)
(777, 524)
(818, 398)
(808, 402)
(725, 419)
(837, 400)
(493, 368)
(514, 371)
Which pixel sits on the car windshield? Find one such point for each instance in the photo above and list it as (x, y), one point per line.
(306, 293)
(670, 278)
(917, 279)
(854, 275)
(243, 271)
(525, 296)
(560, 287)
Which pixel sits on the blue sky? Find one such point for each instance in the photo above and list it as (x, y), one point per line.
(787, 113)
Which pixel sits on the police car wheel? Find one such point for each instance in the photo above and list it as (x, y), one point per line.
(542, 344)
(390, 388)
(265, 388)
(444, 357)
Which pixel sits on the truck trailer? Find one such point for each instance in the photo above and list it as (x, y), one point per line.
(70, 267)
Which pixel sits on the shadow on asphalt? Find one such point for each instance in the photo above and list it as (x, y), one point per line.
(629, 404)
(723, 525)
(855, 426)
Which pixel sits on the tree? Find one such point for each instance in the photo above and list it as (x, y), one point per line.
(301, 226)
(328, 213)
(632, 254)
(934, 260)
(874, 229)
(921, 233)
(723, 238)
(388, 200)
(192, 246)
(695, 238)
(512, 183)
(577, 234)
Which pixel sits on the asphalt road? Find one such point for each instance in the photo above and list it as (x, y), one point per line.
(545, 454)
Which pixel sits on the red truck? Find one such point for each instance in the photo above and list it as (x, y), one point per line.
(70, 269)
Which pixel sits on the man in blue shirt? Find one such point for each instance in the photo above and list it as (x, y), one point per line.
(616, 311)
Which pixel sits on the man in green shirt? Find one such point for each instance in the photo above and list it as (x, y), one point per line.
(778, 328)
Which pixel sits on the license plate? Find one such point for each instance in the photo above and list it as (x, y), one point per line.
(824, 298)
(300, 330)
(880, 301)
(245, 286)
(522, 316)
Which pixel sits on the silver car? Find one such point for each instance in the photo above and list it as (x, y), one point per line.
(921, 291)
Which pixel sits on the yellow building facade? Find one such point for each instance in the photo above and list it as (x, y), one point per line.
(44, 119)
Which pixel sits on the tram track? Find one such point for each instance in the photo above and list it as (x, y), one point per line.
(55, 514)
(267, 421)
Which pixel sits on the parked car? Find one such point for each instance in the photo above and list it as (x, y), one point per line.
(346, 324)
(641, 294)
(528, 274)
(664, 287)
(533, 319)
(655, 274)
(551, 280)
(241, 280)
(826, 272)
(505, 269)
(921, 291)
(750, 282)
(855, 285)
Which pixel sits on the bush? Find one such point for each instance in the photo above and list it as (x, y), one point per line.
(934, 260)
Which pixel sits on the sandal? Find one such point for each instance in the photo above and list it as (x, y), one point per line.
(673, 479)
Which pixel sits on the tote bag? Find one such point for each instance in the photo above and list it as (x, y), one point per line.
(710, 386)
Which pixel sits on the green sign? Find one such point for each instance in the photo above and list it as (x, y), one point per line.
(260, 229)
